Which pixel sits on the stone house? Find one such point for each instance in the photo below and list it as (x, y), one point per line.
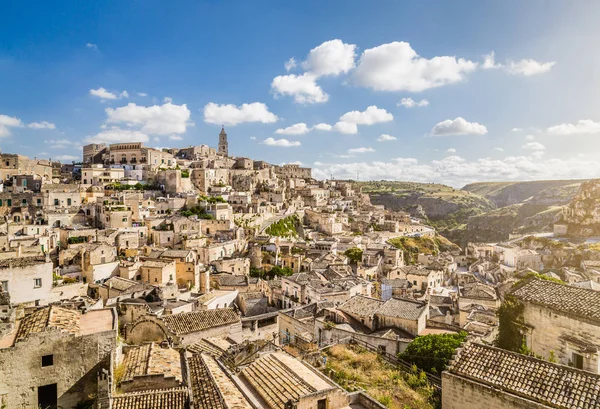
(235, 266)
(28, 280)
(484, 377)
(186, 328)
(53, 355)
(158, 271)
(563, 321)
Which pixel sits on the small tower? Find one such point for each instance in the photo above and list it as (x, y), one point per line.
(223, 146)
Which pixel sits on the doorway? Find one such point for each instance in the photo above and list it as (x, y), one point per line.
(47, 396)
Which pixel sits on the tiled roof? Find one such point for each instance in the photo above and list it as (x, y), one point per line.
(188, 322)
(49, 317)
(361, 305)
(402, 308)
(175, 398)
(479, 291)
(205, 393)
(229, 280)
(119, 283)
(151, 359)
(554, 385)
(560, 297)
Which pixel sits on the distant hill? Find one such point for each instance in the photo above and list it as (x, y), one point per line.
(486, 211)
(556, 192)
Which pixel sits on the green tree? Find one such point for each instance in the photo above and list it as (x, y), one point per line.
(433, 352)
(354, 254)
(510, 315)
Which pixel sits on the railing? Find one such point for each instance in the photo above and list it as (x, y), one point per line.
(433, 380)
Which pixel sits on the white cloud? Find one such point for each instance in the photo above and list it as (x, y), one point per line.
(7, 122)
(333, 57)
(142, 94)
(397, 67)
(411, 103)
(534, 146)
(529, 137)
(168, 100)
(104, 94)
(385, 137)
(458, 126)
(41, 125)
(323, 127)
(303, 88)
(290, 64)
(92, 46)
(175, 138)
(499, 149)
(296, 129)
(59, 143)
(253, 138)
(346, 127)
(489, 61)
(66, 157)
(370, 116)
(456, 171)
(581, 127)
(330, 58)
(283, 143)
(526, 67)
(360, 150)
(163, 119)
(233, 115)
(116, 135)
(451, 150)
(517, 130)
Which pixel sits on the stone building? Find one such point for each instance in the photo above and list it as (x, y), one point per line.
(53, 356)
(563, 321)
(484, 377)
(223, 145)
(28, 280)
(186, 328)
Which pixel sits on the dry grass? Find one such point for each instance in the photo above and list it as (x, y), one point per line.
(354, 368)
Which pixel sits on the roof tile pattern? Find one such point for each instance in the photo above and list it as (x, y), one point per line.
(175, 398)
(49, 317)
(555, 385)
(188, 322)
(561, 297)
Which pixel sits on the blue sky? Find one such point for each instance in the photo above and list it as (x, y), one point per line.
(170, 73)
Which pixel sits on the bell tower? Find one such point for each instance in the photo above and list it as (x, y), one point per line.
(223, 145)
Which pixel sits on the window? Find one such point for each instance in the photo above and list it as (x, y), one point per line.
(47, 360)
(56, 202)
(0, 202)
(39, 202)
(69, 202)
(577, 360)
(4, 285)
(9, 202)
(37, 282)
(24, 202)
(170, 277)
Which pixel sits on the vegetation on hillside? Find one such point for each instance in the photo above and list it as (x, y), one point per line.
(196, 211)
(285, 227)
(354, 254)
(433, 352)
(412, 246)
(355, 368)
(275, 271)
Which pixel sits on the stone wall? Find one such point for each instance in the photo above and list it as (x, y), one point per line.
(462, 393)
(554, 333)
(76, 361)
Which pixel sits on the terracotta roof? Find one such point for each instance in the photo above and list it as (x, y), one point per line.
(151, 359)
(402, 308)
(175, 398)
(557, 386)
(49, 317)
(189, 322)
(205, 393)
(560, 297)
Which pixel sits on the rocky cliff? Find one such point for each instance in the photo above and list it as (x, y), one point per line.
(549, 192)
(582, 214)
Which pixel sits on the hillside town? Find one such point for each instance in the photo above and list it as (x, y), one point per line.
(179, 278)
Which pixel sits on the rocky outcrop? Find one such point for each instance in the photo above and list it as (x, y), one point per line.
(582, 215)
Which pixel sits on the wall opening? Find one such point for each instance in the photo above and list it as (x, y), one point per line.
(47, 396)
